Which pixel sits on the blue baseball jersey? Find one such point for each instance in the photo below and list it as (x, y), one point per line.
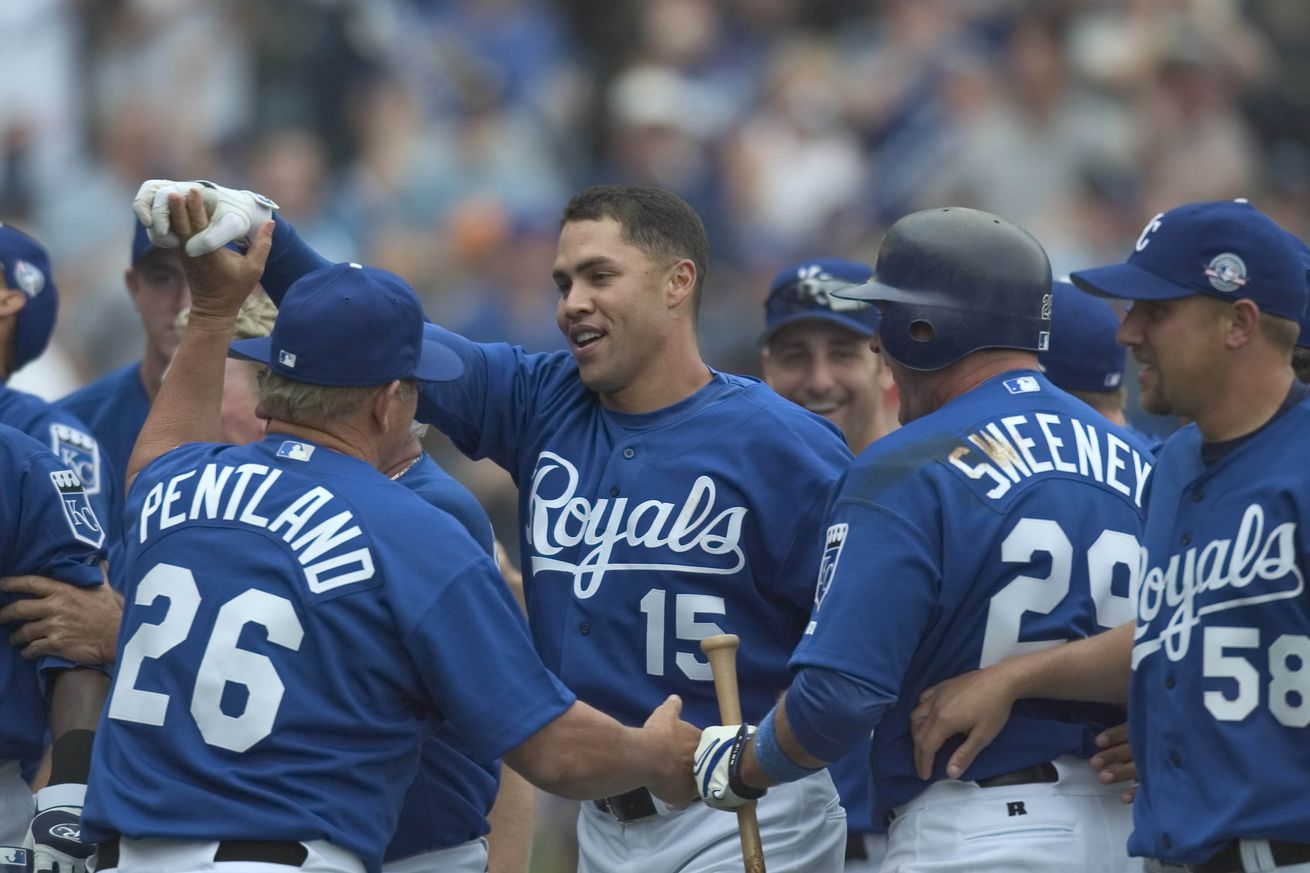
(643, 534)
(1220, 700)
(1004, 522)
(114, 407)
(47, 528)
(448, 802)
(70, 440)
(284, 650)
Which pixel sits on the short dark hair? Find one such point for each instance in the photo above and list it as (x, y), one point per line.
(654, 220)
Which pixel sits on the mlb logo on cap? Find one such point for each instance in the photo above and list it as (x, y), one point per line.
(351, 326)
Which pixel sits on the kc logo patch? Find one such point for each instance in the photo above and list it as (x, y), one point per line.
(79, 452)
(78, 513)
(834, 542)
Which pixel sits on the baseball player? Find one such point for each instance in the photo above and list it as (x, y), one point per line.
(646, 522)
(115, 405)
(816, 352)
(1003, 516)
(267, 711)
(29, 303)
(47, 526)
(1216, 709)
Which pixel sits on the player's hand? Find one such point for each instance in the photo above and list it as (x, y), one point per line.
(975, 704)
(79, 624)
(1114, 763)
(234, 214)
(718, 766)
(55, 836)
(675, 742)
(220, 280)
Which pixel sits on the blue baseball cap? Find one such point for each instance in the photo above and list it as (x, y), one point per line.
(141, 244)
(351, 326)
(1225, 249)
(1303, 341)
(27, 268)
(803, 292)
(1083, 355)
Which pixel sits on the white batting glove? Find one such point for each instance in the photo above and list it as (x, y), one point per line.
(55, 835)
(232, 214)
(717, 768)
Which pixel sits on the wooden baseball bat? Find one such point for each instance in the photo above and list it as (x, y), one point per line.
(721, 649)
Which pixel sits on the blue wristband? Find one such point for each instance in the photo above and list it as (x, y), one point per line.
(773, 760)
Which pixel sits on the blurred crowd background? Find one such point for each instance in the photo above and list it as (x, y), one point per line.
(440, 139)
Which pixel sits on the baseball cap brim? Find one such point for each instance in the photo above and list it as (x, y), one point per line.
(437, 362)
(828, 316)
(876, 291)
(1128, 282)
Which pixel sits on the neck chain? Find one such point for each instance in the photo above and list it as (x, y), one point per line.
(405, 469)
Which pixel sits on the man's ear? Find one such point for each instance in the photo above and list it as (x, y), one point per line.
(681, 284)
(1242, 323)
(11, 302)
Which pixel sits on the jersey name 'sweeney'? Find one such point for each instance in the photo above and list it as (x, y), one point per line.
(1006, 521)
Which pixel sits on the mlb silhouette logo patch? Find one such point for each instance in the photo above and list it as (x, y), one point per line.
(296, 451)
(286, 359)
(78, 513)
(1022, 385)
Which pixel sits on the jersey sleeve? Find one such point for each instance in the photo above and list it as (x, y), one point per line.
(290, 258)
(476, 660)
(486, 411)
(877, 592)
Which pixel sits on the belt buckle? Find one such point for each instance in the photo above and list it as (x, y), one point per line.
(629, 807)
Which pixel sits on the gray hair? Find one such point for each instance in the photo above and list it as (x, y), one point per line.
(316, 405)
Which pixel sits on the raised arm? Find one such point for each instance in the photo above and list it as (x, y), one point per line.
(187, 406)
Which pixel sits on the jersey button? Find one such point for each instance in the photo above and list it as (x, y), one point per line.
(614, 491)
(1198, 495)
(629, 453)
(1186, 539)
(1169, 681)
(584, 628)
(1175, 759)
(1166, 841)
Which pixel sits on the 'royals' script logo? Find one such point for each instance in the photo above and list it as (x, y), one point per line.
(710, 539)
(1251, 557)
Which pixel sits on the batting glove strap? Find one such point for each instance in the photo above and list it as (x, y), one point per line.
(717, 767)
(55, 836)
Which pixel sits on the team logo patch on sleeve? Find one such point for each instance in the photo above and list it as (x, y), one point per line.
(79, 452)
(78, 513)
(834, 541)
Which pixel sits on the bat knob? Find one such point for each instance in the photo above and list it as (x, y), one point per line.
(719, 641)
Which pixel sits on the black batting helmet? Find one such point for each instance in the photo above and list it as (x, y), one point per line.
(957, 280)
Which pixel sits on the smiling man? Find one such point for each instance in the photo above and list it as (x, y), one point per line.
(817, 351)
(660, 502)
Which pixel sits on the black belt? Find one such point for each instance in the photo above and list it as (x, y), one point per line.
(856, 850)
(630, 806)
(1044, 772)
(1229, 858)
(286, 852)
(1037, 773)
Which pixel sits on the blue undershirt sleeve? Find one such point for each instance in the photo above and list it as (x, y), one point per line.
(290, 258)
(830, 711)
